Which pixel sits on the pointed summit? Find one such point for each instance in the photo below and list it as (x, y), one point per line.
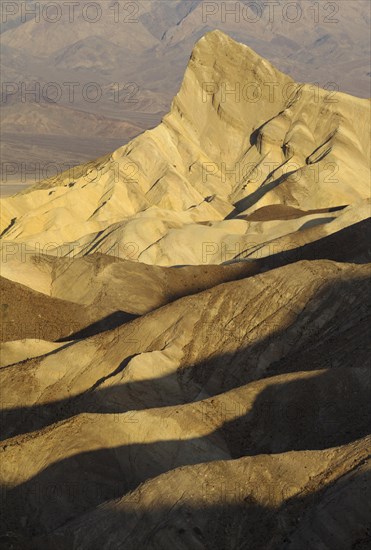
(240, 137)
(229, 89)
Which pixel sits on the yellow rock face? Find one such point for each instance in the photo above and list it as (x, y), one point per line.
(151, 399)
(240, 136)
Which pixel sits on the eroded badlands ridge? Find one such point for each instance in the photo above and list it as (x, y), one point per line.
(151, 399)
(241, 136)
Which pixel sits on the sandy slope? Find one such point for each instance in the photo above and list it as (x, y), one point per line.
(196, 405)
(229, 504)
(216, 158)
(215, 376)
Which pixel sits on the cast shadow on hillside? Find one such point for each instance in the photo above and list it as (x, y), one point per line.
(350, 245)
(283, 417)
(233, 515)
(110, 322)
(255, 196)
(328, 346)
